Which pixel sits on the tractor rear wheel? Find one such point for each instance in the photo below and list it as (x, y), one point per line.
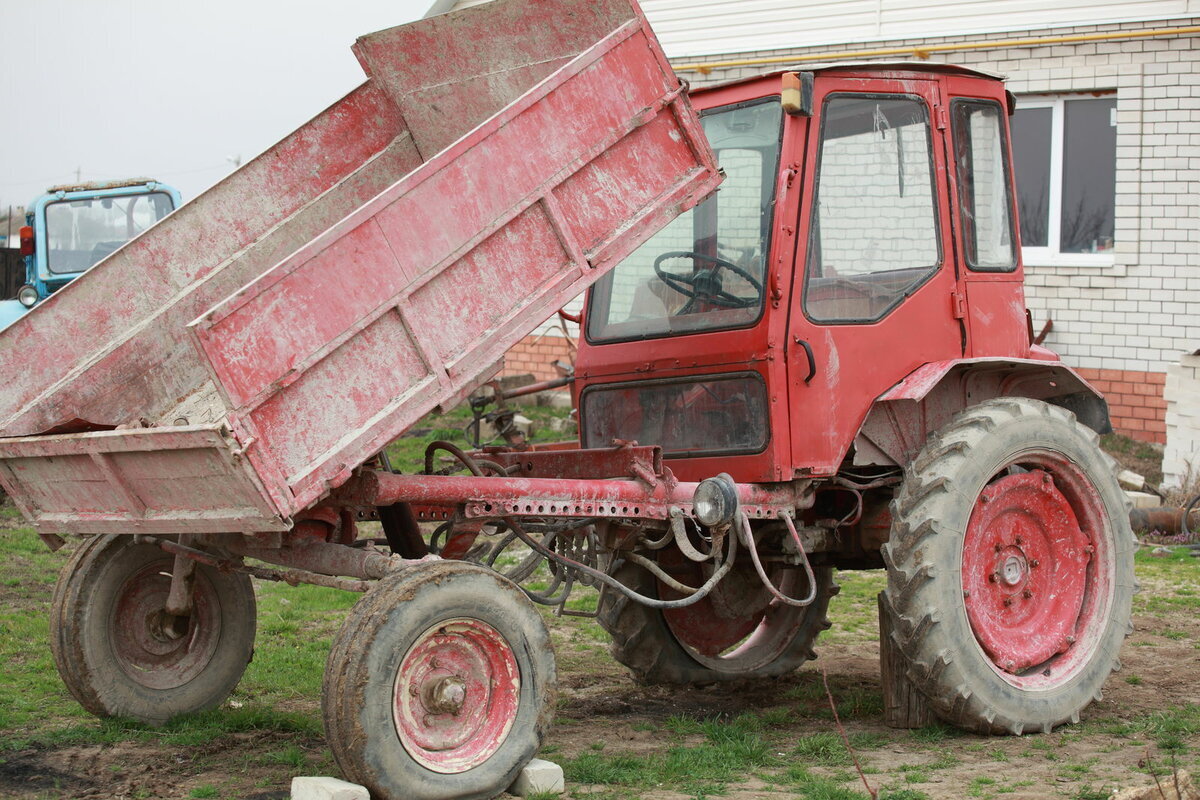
(1010, 568)
(440, 683)
(733, 633)
(118, 651)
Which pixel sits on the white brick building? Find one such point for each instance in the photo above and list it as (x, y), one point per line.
(1107, 136)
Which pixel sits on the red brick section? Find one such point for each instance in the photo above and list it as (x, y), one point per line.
(1135, 401)
(536, 354)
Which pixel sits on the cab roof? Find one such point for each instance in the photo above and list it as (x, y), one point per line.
(872, 66)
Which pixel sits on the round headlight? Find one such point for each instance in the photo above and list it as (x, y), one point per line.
(28, 295)
(715, 501)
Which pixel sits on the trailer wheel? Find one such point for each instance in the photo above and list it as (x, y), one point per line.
(719, 638)
(1010, 568)
(440, 683)
(120, 655)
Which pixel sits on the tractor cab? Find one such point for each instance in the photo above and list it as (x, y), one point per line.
(70, 228)
(865, 229)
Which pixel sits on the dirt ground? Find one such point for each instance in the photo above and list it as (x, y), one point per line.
(601, 709)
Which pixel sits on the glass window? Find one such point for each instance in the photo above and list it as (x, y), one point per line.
(983, 194)
(706, 269)
(1065, 155)
(874, 233)
(81, 232)
(686, 417)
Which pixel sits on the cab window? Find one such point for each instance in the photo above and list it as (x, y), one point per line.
(874, 232)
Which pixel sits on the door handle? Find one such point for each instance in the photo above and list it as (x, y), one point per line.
(812, 362)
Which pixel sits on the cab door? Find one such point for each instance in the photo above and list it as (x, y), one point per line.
(875, 293)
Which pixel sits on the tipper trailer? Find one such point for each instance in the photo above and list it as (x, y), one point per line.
(825, 364)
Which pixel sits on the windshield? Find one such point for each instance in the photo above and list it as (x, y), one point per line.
(81, 232)
(705, 270)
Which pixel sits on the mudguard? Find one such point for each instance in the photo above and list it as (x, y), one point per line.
(901, 419)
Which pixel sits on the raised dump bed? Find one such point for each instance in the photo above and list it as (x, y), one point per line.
(225, 370)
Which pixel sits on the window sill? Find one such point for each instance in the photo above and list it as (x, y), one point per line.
(1037, 257)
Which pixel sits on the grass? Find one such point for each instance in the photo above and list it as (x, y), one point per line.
(728, 751)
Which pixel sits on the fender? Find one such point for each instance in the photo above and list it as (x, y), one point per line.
(903, 417)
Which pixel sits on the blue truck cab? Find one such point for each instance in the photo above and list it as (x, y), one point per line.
(70, 228)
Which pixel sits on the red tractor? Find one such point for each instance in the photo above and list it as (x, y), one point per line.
(845, 317)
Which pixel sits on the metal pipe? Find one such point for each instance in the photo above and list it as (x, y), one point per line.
(1165, 520)
(534, 388)
(550, 497)
(923, 52)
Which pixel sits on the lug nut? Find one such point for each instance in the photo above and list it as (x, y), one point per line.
(1020, 541)
(1034, 564)
(1027, 594)
(999, 547)
(1008, 601)
(995, 576)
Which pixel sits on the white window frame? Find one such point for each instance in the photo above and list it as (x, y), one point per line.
(1051, 256)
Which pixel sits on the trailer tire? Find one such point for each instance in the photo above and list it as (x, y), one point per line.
(108, 640)
(440, 683)
(644, 641)
(1010, 568)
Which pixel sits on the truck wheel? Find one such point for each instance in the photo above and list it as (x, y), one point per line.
(119, 653)
(733, 633)
(440, 683)
(1010, 568)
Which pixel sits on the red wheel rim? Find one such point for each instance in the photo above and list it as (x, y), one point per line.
(1034, 573)
(154, 649)
(735, 628)
(456, 695)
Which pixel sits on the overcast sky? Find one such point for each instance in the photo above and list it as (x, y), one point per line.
(170, 89)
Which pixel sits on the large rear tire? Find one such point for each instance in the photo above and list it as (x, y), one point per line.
(708, 641)
(1010, 568)
(118, 652)
(440, 684)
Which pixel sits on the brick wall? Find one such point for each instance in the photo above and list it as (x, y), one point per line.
(536, 354)
(1135, 401)
(1124, 323)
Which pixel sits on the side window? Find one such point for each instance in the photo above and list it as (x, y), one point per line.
(874, 231)
(984, 196)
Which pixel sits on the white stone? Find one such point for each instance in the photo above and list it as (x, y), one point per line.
(1131, 480)
(321, 788)
(539, 776)
(1144, 499)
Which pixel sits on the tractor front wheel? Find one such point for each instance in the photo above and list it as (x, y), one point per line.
(440, 683)
(1010, 568)
(118, 651)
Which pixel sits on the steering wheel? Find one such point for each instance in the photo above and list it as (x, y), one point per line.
(706, 284)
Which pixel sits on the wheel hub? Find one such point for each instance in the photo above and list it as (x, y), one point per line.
(1025, 560)
(456, 695)
(155, 649)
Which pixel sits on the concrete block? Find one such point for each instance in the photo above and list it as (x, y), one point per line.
(539, 776)
(1131, 480)
(321, 788)
(1144, 499)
